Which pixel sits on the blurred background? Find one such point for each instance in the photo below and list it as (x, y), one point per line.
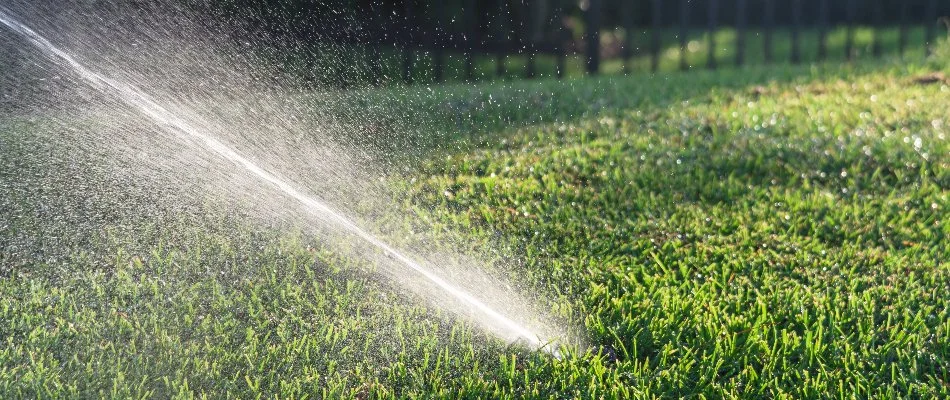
(357, 42)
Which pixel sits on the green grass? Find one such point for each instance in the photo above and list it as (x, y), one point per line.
(769, 232)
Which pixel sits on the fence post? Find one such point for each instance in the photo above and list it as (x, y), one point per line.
(628, 28)
(501, 42)
(655, 41)
(740, 31)
(376, 59)
(769, 22)
(593, 36)
(849, 40)
(560, 39)
(438, 36)
(876, 29)
(471, 39)
(471, 34)
(796, 56)
(684, 32)
(529, 26)
(822, 30)
(929, 23)
(407, 59)
(902, 36)
(340, 67)
(713, 16)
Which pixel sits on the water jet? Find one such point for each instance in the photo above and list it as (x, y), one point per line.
(499, 324)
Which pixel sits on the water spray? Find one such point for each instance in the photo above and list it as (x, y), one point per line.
(149, 107)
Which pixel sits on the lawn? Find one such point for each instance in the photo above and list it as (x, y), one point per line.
(776, 232)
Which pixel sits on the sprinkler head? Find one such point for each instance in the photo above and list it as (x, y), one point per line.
(550, 347)
(604, 352)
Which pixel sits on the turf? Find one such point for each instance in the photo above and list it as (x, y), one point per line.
(768, 232)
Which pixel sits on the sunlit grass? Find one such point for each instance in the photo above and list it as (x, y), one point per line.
(759, 233)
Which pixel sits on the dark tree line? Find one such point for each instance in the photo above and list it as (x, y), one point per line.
(308, 14)
(498, 28)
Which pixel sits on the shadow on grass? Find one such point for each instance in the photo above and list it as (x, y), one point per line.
(411, 124)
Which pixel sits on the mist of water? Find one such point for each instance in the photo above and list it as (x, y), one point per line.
(261, 180)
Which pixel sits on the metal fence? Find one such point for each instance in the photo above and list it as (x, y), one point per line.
(404, 30)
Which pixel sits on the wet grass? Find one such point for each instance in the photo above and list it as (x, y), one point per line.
(767, 242)
(730, 235)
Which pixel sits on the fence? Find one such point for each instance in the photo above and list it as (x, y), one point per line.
(558, 29)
